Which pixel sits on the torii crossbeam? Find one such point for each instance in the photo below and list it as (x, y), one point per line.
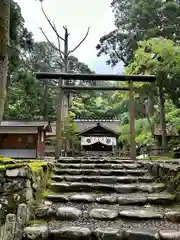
(96, 77)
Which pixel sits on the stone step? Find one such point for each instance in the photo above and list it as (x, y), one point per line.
(102, 179)
(96, 166)
(86, 232)
(96, 158)
(119, 188)
(102, 212)
(98, 161)
(95, 172)
(121, 199)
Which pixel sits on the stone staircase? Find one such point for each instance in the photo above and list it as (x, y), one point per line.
(105, 198)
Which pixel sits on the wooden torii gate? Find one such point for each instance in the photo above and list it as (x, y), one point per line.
(95, 77)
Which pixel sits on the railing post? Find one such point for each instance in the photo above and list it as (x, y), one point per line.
(132, 122)
(59, 120)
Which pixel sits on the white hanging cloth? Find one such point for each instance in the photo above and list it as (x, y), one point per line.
(109, 141)
(85, 141)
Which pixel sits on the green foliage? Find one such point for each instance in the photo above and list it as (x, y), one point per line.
(70, 132)
(105, 105)
(21, 39)
(139, 20)
(142, 133)
(24, 97)
(157, 56)
(173, 116)
(29, 98)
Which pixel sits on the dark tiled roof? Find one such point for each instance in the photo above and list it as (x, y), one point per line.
(44, 124)
(23, 123)
(84, 125)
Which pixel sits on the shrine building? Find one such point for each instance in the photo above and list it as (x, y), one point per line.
(23, 139)
(98, 135)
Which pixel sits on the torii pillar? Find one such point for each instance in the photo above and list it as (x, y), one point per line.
(132, 122)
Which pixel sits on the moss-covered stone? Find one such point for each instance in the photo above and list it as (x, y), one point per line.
(169, 174)
(47, 192)
(37, 222)
(159, 158)
(16, 165)
(36, 173)
(41, 175)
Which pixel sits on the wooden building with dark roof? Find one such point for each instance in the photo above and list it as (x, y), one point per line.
(23, 139)
(98, 135)
(94, 135)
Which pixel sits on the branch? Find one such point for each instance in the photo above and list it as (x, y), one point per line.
(59, 63)
(49, 21)
(57, 49)
(66, 29)
(59, 46)
(121, 58)
(80, 42)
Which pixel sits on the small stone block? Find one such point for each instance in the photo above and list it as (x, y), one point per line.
(82, 198)
(68, 213)
(74, 233)
(173, 216)
(103, 214)
(169, 235)
(106, 234)
(140, 214)
(107, 199)
(36, 232)
(140, 234)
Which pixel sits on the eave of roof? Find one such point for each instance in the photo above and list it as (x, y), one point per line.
(46, 125)
(96, 125)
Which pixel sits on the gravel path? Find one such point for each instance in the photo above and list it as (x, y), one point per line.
(119, 224)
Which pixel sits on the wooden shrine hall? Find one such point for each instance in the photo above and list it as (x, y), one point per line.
(98, 135)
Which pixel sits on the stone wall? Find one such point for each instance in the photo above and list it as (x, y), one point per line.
(21, 188)
(167, 172)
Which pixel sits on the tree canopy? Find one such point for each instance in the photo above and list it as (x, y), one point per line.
(138, 20)
(146, 39)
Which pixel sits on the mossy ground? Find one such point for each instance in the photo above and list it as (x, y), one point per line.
(36, 166)
(37, 222)
(159, 158)
(3, 158)
(47, 192)
(9, 163)
(6, 160)
(16, 165)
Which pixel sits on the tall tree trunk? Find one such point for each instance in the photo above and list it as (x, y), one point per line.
(162, 119)
(4, 44)
(149, 109)
(6, 104)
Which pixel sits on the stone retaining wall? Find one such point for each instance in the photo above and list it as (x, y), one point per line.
(167, 172)
(21, 188)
